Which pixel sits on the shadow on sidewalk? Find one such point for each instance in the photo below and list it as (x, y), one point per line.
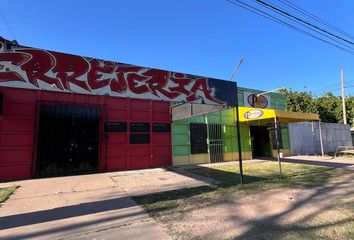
(24, 219)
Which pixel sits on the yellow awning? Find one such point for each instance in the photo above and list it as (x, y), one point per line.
(249, 115)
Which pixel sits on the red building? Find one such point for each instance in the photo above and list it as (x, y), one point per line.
(63, 114)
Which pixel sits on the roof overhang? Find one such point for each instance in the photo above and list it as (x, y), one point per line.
(263, 116)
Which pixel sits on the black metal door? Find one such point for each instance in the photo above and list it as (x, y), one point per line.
(216, 143)
(68, 140)
(198, 138)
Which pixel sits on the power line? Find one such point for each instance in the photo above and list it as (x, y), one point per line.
(8, 26)
(269, 16)
(349, 81)
(327, 91)
(331, 90)
(328, 86)
(331, 87)
(308, 14)
(279, 21)
(280, 11)
(301, 22)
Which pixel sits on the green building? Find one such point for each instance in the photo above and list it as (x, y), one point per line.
(212, 137)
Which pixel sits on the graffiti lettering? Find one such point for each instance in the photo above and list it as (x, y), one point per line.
(38, 65)
(69, 68)
(182, 82)
(63, 71)
(130, 75)
(158, 80)
(95, 77)
(15, 59)
(200, 84)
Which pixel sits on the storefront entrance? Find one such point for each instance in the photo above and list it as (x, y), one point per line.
(68, 138)
(260, 141)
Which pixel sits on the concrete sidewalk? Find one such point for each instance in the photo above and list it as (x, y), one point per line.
(73, 207)
(96, 206)
(326, 161)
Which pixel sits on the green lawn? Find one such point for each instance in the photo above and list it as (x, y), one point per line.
(266, 175)
(174, 206)
(6, 192)
(257, 176)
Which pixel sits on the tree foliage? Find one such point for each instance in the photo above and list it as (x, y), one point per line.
(328, 106)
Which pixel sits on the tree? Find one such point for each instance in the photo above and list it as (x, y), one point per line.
(349, 105)
(328, 106)
(299, 101)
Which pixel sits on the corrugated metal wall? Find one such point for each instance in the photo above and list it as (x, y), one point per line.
(304, 142)
(19, 126)
(121, 154)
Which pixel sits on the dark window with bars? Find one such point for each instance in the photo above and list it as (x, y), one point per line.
(161, 127)
(139, 133)
(139, 138)
(139, 127)
(115, 127)
(198, 138)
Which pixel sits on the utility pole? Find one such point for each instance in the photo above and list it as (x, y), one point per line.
(238, 124)
(276, 129)
(343, 97)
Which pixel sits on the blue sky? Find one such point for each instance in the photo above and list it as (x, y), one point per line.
(202, 37)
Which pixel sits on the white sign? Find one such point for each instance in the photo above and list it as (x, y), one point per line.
(253, 114)
(251, 100)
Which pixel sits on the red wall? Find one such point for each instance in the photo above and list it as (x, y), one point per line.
(122, 155)
(18, 126)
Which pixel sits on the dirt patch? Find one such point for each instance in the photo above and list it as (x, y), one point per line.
(325, 211)
(274, 214)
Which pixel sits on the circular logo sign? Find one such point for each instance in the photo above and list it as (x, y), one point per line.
(257, 102)
(253, 114)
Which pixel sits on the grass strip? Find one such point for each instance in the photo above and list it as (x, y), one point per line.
(6, 192)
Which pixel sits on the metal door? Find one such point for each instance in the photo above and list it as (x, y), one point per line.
(216, 143)
(198, 138)
(68, 138)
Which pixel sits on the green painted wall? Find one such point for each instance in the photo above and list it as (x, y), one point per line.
(180, 128)
(285, 138)
(180, 132)
(180, 138)
(230, 138)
